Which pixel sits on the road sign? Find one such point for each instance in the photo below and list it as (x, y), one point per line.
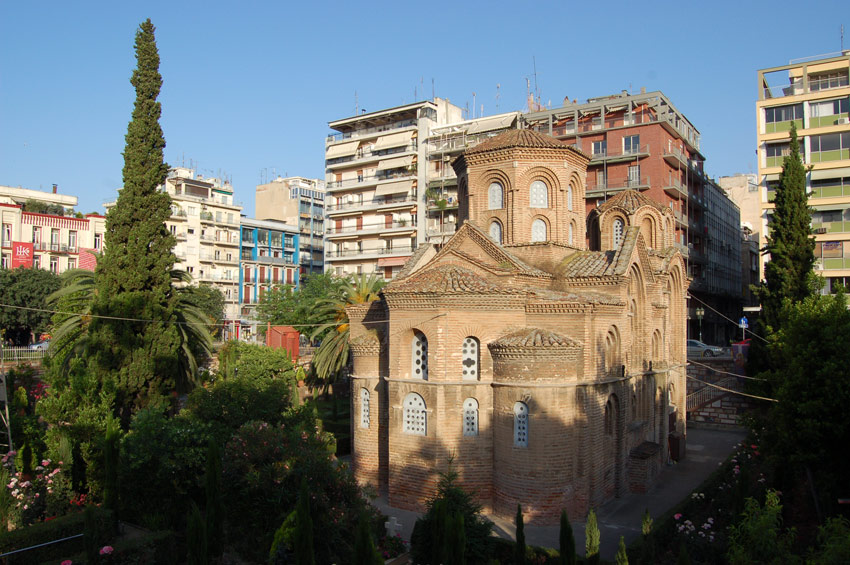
(743, 323)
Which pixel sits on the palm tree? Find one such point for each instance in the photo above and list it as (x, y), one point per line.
(332, 355)
(71, 324)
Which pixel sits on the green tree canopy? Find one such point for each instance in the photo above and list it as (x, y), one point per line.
(285, 305)
(25, 288)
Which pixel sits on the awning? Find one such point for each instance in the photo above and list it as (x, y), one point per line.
(394, 187)
(616, 108)
(396, 163)
(392, 261)
(490, 124)
(342, 150)
(828, 207)
(393, 140)
(771, 178)
(831, 173)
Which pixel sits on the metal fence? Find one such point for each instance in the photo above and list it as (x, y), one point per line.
(15, 354)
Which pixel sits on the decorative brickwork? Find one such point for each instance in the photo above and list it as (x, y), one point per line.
(554, 373)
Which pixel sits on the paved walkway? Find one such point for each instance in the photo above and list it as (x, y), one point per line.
(621, 516)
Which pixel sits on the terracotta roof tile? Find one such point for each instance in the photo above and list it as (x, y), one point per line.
(448, 279)
(587, 264)
(534, 337)
(629, 200)
(519, 138)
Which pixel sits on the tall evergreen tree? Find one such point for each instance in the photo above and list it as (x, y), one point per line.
(133, 277)
(592, 538)
(519, 548)
(788, 273)
(567, 541)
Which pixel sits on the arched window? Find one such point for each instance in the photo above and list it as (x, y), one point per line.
(470, 358)
(496, 232)
(656, 345)
(538, 230)
(520, 424)
(612, 349)
(470, 417)
(419, 357)
(539, 195)
(364, 408)
(496, 196)
(571, 232)
(618, 232)
(609, 418)
(415, 418)
(570, 197)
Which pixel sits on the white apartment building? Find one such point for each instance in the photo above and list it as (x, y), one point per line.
(376, 168)
(56, 241)
(205, 220)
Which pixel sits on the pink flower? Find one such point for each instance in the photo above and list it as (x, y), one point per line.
(67, 562)
(106, 550)
(677, 516)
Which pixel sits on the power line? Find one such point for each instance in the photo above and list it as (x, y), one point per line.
(730, 391)
(726, 372)
(726, 317)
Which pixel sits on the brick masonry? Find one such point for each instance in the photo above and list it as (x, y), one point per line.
(590, 344)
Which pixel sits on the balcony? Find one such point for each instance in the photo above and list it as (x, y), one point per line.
(224, 241)
(363, 157)
(364, 181)
(407, 200)
(676, 189)
(613, 187)
(615, 157)
(450, 203)
(370, 132)
(675, 157)
(442, 230)
(840, 226)
(53, 247)
(369, 253)
(372, 229)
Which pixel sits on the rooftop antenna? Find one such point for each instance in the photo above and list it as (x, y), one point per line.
(473, 105)
(842, 38)
(498, 86)
(536, 89)
(433, 95)
(356, 104)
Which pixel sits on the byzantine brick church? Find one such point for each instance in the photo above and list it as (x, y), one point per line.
(545, 373)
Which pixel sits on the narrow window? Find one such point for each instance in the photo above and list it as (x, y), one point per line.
(469, 354)
(364, 408)
(520, 425)
(618, 232)
(415, 419)
(539, 195)
(572, 229)
(419, 354)
(495, 196)
(496, 232)
(609, 419)
(470, 417)
(538, 230)
(570, 197)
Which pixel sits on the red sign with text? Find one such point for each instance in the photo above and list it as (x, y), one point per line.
(21, 255)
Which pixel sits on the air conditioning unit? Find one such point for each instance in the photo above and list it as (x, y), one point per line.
(843, 121)
(820, 230)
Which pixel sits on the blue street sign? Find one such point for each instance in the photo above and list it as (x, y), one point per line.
(743, 323)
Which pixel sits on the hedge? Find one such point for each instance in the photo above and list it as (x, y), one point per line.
(62, 527)
(154, 547)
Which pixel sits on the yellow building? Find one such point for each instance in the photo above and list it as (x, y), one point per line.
(815, 95)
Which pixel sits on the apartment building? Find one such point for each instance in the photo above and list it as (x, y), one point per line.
(643, 142)
(376, 178)
(40, 230)
(297, 201)
(743, 190)
(269, 255)
(814, 94)
(205, 222)
(445, 143)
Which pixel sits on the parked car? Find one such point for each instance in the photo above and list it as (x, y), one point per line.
(697, 348)
(40, 345)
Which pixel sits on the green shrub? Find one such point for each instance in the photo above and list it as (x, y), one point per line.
(59, 528)
(155, 547)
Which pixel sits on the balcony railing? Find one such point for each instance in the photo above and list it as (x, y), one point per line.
(364, 252)
(624, 155)
(375, 202)
(366, 180)
(618, 185)
(55, 247)
(363, 155)
(371, 227)
(369, 131)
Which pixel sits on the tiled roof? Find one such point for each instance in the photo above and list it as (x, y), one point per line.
(518, 138)
(629, 200)
(587, 264)
(534, 337)
(448, 279)
(413, 260)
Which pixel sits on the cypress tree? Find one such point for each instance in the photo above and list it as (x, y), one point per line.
(519, 548)
(567, 541)
(592, 538)
(455, 540)
(365, 552)
(622, 558)
(196, 537)
(110, 465)
(133, 277)
(788, 275)
(303, 538)
(215, 507)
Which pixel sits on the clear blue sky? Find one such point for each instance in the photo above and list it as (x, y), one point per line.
(250, 86)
